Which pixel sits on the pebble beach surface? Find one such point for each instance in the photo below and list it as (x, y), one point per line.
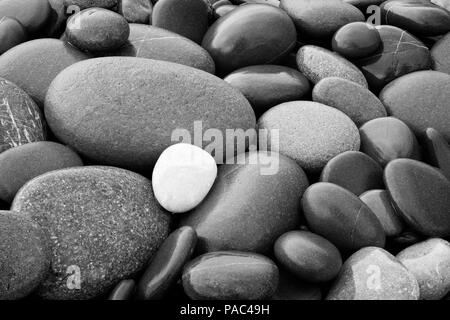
(225, 149)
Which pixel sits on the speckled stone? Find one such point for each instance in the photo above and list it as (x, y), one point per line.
(23, 163)
(84, 4)
(437, 150)
(317, 63)
(387, 139)
(230, 276)
(320, 18)
(252, 203)
(21, 121)
(341, 217)
(421, 100)
(145, 91)
(421, 195)
(354, 171)
(356, 40)
(136, 11)
(12, 33)
(440, 56)
(124, 290)
(374, 274)
(159, 44)
(381, 205)
(310, 133)
(33, 15)
(429, 262)
(102, 225)
(24, 259)
(34, 64)
(354, 100)
(291, 288)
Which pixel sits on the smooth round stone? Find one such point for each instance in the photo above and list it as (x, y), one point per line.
(291, 288)
(308, 256)
(136, 11)
(387, 139)
(356, 40)
(429, 262)
(144, 92)
(320, 18)
(421, 100)
(266, 86)
(252, 34)
(85, 4)
(102, 224)
(23, 163)
(374, 274)
(182, 177)
(437, 150)
(230, 275)
(421, 194)
(341, 217)
(34, 64)
(223, 10)
(354, 171)
(159, 44)
(165, 268)
(419, 17)
(252, 203)
(310, 133)
(439, 55)
(400, 53)
(188, 18)
(21, 121)
(97, 29)
(33, 15)
(12, 33)
(354, 100)
(381, 205)
(23, 256)
(317, 63)
(123, 290)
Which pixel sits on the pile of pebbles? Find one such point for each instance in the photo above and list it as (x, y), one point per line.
(99, 201)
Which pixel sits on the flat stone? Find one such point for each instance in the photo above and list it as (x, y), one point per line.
(308, 256)
(429, 262)
(253, 202)
(252, 34)
(354, 171)
(317, 63)
(387, 139)
(310, 133)
(381, 204)
(23, 163)
(374, 274)
(437, 150)
(23, 256)
(291, 288)
(341, 217)
(439, 54)
(85, 4)
(356, 40)
(124, 290)
(136, 11)
(144, 92)
(12, 33)
(164, 270)
(33, 15)
(83, 212)
(354, 100)
(421, 195)
(421, 100)
(21, 121)
(34, 64)
(230, 276)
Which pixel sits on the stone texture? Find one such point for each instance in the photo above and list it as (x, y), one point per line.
(33, 15)
(437, 150)
(136, 11)
(356, 40)
(439, 54)
(84, 4)
(12, 33)
(124, 290)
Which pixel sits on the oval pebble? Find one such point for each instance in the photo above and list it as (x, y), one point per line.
(23, 163)
(317, 63)
(33, 15)
(310, 133)
(356, 40)
(251, 34)
(165, 268)
(12, 33)
(354, 171)
(341, 217)
(123, 290)
(136, 11)
(145, 91)
(374, 274)
(354, 100)
(24, 262)
(387, 139)
(291, 288)
(437, 150)
(267, 186)
(308, 256)
(421, 194)
(230, 276)
(429, 262)
(85, 4)
(84, 212)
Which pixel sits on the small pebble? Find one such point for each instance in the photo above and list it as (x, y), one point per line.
(136, 11)
(356, 40)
